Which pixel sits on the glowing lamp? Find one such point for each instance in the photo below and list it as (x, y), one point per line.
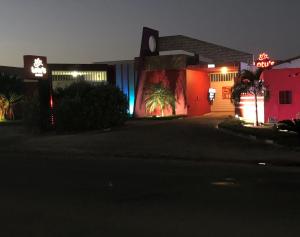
(224, 70)
(75, 74)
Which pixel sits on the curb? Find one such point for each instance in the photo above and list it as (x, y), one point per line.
(250, 137)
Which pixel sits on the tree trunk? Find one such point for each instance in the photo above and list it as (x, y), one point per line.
(174, 109)
(162, 112)
(9, 114)
(256, 109)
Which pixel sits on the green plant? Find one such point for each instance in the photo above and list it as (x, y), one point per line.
(11, 89)
(231, 122)
(158, 96)
(249, 83)
(32, 113)
(86, 106)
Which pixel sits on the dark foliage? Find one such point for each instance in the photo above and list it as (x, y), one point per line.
(32, 114)
(290, 125)
(249, 82)
(84, 106)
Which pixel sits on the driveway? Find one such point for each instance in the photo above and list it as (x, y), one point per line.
(128, 183)
(185, 139)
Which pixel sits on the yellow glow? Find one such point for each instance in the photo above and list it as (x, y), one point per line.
(247, 106)
(94, 76)
(75, 74)
(224, 70)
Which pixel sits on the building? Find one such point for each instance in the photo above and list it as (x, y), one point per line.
(283, 84)
(63, 75)
(125, 79)
(12, 71)
(200, 74)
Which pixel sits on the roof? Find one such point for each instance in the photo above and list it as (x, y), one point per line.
(117, 62)
(287, 60)
(207, 51)
(78, 67)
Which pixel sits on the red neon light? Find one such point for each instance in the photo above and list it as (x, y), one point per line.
(264, 61)
(263, 56)
(51, 102)
(51, 111)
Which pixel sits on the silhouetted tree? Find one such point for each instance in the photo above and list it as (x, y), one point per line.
(249, 83)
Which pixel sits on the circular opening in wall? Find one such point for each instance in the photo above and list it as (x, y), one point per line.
(152, 44)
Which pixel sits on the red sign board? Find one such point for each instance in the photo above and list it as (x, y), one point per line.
(35, 67)
(264, 61)
(226, 93)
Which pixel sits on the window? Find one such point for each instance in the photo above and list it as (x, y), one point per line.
(285, 97)
(219, 77)
(92, 76)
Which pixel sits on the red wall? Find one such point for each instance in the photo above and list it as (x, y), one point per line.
(175, 80)
(282, 80)
(198, 85)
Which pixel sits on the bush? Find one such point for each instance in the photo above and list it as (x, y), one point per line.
(86, 106)
(290, 125)
(231, 122)
(32, 113)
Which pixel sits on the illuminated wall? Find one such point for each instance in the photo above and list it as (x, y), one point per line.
(126, 81)
(247, 108)
(197, 88)
(175, 80)
(223, 84)
(279, 80)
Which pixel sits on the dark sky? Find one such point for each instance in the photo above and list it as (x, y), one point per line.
(84, 31)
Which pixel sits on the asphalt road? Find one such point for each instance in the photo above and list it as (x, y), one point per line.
(95, 185)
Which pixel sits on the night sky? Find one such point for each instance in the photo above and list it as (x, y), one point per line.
(84, 31)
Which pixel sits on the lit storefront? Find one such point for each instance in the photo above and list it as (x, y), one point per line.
(63, 75)
(191, 69)
(199, 74)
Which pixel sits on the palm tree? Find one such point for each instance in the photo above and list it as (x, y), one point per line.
(249, 83)
(11, 89)
(158, 96)
(8, 102)
(2, 108)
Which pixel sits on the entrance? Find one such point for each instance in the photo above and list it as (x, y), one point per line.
(222, 83)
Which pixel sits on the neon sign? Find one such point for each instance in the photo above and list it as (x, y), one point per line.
(264, 61)
(38, 68)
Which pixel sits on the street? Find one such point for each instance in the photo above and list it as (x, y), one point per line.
(135, 181)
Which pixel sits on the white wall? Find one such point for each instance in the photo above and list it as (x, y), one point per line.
(293, 64)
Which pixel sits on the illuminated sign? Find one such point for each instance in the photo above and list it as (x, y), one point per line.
(226, 92)
(35, 67)
(38, 68)
(264, 61)
(211, 94)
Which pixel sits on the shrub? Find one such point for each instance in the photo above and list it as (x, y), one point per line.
(290, 125)
(86, 106)
(32, 113)
(231, 122)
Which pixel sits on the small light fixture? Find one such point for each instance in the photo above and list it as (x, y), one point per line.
(224, 70)
(75, 74)
(211, 66)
